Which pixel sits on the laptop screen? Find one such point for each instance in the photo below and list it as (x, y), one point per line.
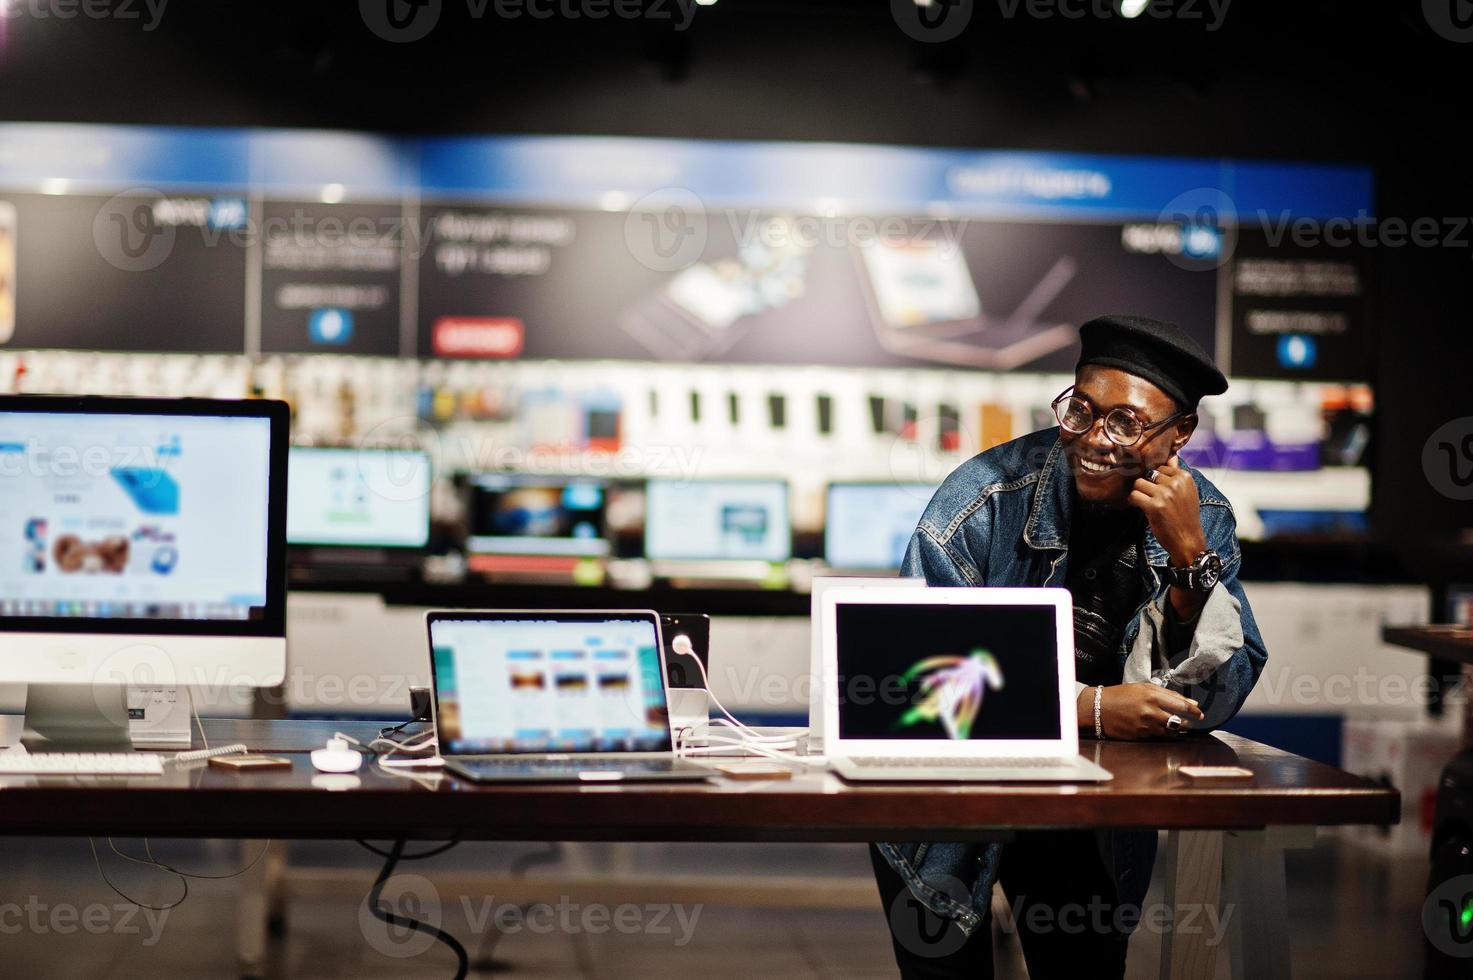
(378, 498)
(869, 525)
(548, 682)
(717, 520)
(947, 672)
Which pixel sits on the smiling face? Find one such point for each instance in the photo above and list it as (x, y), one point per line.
(1104, 473)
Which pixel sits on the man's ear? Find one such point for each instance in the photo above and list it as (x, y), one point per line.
(1183, 434)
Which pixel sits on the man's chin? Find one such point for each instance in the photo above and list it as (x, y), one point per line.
(1109, 490)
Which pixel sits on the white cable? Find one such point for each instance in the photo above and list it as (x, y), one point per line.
(748, 747)
(682, 645)
(755, 735)
(772, 746)
(388, 764)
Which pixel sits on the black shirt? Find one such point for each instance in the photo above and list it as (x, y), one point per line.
(1106, 583)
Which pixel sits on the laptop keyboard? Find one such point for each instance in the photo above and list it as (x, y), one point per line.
(912, 762)
(560, 767)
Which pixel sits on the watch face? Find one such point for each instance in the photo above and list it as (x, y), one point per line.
(1210, 571)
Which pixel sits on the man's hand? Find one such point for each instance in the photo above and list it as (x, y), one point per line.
(1172, 508)
(1136, 711)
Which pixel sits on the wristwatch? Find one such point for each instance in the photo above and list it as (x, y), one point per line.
(1201, 575)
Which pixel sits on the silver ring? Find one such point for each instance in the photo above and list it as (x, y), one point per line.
(1173, 724)
(1151, 475)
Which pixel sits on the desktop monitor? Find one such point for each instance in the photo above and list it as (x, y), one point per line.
(142, 541)
(867, 526)
(356, 498)
(521, 514)
(717, 520)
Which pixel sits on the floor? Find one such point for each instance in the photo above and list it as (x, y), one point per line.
(1354, 915)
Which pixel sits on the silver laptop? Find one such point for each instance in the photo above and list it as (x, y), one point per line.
(951, 684)
(553, 696)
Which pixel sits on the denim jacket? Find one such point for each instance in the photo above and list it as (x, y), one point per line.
(1002, 518)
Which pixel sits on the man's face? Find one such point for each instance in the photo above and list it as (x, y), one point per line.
(1104, 473)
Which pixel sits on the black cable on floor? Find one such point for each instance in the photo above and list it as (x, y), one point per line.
(375, 895)
(441, 849)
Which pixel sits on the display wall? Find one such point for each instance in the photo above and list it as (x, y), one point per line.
(939, 290)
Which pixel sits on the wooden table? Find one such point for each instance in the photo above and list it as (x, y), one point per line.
(1226, 840)
(1446, 642)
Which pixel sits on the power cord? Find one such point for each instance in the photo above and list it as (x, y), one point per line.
(384, 915)
(439, 849)
(155, 863)
(779, 747)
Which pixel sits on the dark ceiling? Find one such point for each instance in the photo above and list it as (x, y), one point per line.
(1289, 77)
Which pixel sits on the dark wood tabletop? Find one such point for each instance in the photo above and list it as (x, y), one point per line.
(1445, 641)
(1147, 792)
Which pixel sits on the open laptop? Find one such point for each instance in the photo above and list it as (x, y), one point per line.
(951, 684)
(552, 696)
(821, 586)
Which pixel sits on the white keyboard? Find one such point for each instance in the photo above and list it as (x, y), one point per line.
(951, 762)
(81, 764)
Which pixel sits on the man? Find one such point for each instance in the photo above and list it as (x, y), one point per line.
(1164, 639)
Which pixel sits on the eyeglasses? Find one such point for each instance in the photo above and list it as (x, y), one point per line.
(1122, 426)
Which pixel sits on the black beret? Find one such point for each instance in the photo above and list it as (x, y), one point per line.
(1155, 350)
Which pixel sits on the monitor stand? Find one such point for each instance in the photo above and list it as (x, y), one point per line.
(77, 718)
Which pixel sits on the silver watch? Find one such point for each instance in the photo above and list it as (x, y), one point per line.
(1202, 575)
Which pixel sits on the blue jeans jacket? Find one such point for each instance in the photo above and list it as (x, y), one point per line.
(1002, 518)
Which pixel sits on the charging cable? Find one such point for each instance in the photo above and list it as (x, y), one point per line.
(780, 747)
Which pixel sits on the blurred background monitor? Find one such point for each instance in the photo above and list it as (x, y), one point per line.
(358, 498)
(867, 526)
(516, 514)
(717, 520)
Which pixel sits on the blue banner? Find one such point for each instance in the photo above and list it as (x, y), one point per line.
(616, 173)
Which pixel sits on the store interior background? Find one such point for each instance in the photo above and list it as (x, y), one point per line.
(1310, 81)
(1304, 81)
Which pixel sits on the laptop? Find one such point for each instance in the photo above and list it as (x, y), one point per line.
(951, 685)
(552, 697)
(820, 587)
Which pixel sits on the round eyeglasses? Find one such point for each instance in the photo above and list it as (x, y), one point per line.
(1122, 426)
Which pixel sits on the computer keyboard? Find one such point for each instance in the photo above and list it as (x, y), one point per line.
(81, 764)
(557, 767)
(911, 762)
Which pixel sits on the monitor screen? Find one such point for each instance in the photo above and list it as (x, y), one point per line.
(531, 515)
(869, 525)
(947, 672)
(377, 498)
(717, 520)
(548, 682)
(145, 516)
